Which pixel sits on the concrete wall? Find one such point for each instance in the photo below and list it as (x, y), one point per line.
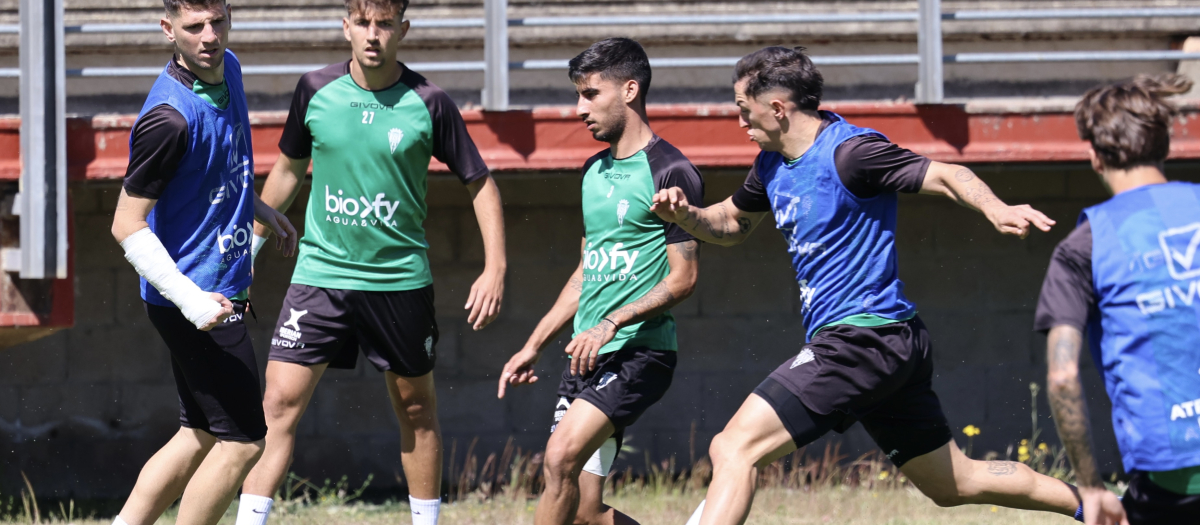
(82, 410)
(150, 49)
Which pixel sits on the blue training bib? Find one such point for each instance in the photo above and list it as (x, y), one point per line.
(205, 216)
(843, 248)
(1146, 274)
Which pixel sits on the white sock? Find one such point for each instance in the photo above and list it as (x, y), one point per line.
(119, 521)
(695, 519)
(424, 511)
(253, 510)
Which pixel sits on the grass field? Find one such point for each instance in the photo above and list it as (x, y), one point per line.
(841, 505)
(772, 506)
(802, 488)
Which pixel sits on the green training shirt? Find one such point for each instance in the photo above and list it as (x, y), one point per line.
(625, 252)
(370, 157)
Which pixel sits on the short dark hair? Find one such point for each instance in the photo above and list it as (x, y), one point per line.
(393, 7)
(1129, 123)
(619, 59)
(778, 67)
(173, 7)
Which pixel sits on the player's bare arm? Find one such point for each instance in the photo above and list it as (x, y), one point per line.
(282, 186)
(488, 290)
(684, 259)
(519, 369)
(722, 223)
(285, 234)
(1071, 418)
(961, 185)
(130, 218)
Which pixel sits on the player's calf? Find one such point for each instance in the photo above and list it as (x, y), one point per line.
(949, 478)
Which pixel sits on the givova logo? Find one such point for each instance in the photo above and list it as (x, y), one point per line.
(1171, 297)
(351, 211)
(238, 167)
(610, 259)
(1179, 246)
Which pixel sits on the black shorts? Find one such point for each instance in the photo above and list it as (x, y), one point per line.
(1145, 502)
(395, 330)
(215, 372)
(879, 375)
(623, 385)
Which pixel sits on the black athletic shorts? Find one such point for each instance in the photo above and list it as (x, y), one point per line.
(879, 375)
(623, 385)
(215, 372)
(395, 330)
(1145, 502)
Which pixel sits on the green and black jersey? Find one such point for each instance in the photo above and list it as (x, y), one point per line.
(370, 152)
(625, 252)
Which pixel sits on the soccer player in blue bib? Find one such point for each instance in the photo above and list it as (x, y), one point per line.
(832, 189)
(1129, 275)
(185, 220)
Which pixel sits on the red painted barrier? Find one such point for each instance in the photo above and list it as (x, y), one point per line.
(552, 139)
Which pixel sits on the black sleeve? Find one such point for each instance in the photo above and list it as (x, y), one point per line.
(160, 139)
(752, 196)
(870, 165)
(452, 145)
(296, 141)
(672, 169)
(1068, 297)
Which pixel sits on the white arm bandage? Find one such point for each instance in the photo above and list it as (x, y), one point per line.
(255, 247)
(148, 256)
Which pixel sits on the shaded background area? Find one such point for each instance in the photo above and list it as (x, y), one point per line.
(83, 409)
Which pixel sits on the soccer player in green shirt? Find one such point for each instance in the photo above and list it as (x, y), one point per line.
(369, 126)
(633, 268)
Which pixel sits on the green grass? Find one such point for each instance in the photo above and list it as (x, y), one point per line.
(802, 488)
(841, 505)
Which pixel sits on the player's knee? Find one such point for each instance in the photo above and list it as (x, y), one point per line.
(562, 460)
(244, 451)
(724, 449)
(279, 406)
(420, 412)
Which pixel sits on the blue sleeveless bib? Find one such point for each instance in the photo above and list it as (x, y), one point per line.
(1146, 272)
(843, 248)
(205, 216)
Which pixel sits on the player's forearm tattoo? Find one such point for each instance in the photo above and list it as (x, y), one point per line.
(744, 225)
(576, 283)
(657, 300)
(1001, 468)
(713, 222)
(975, 193)
(1070, 408)
(689, 250)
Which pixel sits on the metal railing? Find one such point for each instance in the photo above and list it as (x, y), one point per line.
(496, 65)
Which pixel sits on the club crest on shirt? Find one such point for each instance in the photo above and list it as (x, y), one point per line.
(806, 356)
(622, 209)
(395, 135)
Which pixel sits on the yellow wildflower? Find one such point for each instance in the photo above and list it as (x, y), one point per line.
(883, 474)
(971, 431)
(1042, 447)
